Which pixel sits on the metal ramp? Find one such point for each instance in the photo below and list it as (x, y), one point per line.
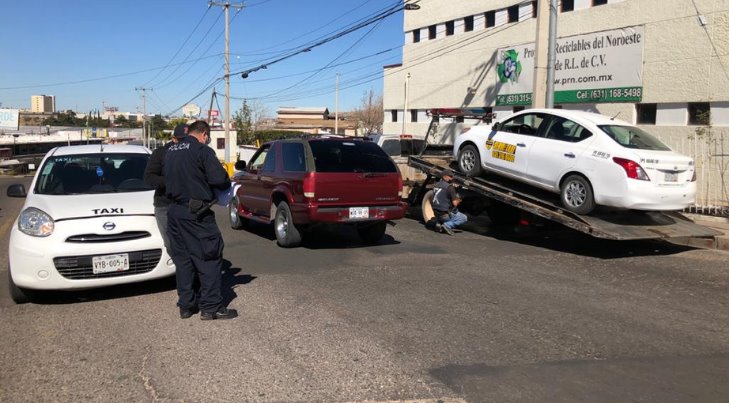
(613, 224)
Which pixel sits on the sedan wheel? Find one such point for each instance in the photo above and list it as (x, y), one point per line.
(469, 162)
(576, 195)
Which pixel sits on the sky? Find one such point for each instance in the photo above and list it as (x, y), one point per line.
(96, 53)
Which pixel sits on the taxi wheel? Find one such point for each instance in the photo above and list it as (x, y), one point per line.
(576, 195)
(372, 233)
(469, 162)
(287, 235)
(236, 221)
(18, 295)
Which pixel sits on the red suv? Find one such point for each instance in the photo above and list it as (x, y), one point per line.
(300, 182)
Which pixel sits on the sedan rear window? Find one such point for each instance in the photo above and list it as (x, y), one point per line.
(633, 137)
(92, 173)
(350, 156)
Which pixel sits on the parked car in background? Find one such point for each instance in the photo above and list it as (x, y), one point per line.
(88, 221)
(587, 158)
(298, 183)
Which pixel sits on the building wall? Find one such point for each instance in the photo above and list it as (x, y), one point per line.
(683, 61)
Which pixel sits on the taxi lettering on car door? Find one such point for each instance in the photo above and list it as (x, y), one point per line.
(508, 148)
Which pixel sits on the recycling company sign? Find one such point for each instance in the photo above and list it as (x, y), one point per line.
(598, 67)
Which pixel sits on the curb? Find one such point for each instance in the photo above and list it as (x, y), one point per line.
(719, 224)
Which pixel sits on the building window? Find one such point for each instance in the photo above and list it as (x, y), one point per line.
(220, 144)
(599, 2)
(699, 113)
(416, 36)
(450, 28)
(534, 9)
(568, 5)
(431, 32)
(490, 19)
(518, 109)
(468, 24)
(557, 106)
(513, 13)
(393, 115)
(645, 114)
(413, 115)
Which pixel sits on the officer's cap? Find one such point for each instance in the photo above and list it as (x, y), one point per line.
(180, 131)
(447, 172)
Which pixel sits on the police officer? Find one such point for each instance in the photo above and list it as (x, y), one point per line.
(154, 177)
(445, 205)
(192, 172)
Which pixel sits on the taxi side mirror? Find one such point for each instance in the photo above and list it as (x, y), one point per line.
(496, 127)
(240, 165)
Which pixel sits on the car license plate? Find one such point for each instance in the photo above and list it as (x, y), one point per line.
(671, 177)
(110, 263)
(359, 212)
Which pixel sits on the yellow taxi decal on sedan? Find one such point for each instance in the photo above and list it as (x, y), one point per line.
(502, 151)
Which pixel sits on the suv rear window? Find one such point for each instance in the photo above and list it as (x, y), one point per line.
(350, 156)
(92, 173)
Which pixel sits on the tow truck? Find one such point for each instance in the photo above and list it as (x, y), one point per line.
(508, 202)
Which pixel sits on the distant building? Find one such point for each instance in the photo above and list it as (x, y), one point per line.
(314, 121)
(43, 103)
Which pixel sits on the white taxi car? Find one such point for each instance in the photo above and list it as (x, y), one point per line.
(589, 159)
(88, 221)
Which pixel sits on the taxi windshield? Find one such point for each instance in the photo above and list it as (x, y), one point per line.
(92, 174)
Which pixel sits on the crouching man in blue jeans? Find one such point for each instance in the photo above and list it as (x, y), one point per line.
(445, 205)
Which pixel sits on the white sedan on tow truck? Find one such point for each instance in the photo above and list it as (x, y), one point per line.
(88, 221)
(587, 158)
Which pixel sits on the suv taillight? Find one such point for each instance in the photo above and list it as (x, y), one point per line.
(309, 185)
(632, 169)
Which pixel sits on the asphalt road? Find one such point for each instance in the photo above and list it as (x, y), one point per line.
(488, 315)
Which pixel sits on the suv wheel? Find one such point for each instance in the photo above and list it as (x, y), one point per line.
(372, 233)
(469, 161)
(576, 195)
(287, 235)
(18, 295)
(236, 221)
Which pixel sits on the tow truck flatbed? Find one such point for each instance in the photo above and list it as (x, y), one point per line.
(608, 224)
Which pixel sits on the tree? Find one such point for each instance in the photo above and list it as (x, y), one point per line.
(246, 120)
(370, 113)
(157, 127)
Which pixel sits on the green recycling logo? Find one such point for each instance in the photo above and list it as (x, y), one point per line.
(509, 68)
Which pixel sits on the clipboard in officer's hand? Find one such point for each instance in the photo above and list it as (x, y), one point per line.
(225, 196)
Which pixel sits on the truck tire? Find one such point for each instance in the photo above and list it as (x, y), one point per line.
(426, 207)
(17, 294)
(372, 233)
(469, 161)
(503, 214)
(576, 195)
(287, 235)
(236, 221)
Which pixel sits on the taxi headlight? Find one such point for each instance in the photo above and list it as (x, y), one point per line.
(35, 222)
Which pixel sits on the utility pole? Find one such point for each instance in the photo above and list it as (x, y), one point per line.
(336, 107)
(145, 140)
(405, 105)
(226, 5)
(543, 92)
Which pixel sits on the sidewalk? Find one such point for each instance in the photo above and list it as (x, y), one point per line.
(720, 224)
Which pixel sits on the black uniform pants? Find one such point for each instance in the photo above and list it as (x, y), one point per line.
(196, 248)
